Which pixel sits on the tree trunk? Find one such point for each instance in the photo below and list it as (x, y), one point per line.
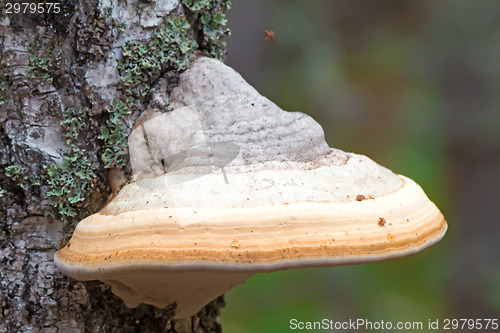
(74, 77)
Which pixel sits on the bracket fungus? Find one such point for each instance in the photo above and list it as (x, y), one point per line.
(228, 185)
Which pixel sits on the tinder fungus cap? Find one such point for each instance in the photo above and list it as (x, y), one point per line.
(282, 199)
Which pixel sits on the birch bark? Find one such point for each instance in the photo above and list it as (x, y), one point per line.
(63, 78)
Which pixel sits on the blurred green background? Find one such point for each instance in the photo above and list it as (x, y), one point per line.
(415, 86)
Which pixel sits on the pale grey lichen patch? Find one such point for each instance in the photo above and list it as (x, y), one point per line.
(126, 11)
(44, 135)
(47, 139)
(4, 21)
(15, 54)
(149, 18)
(134, 16)
(44, 233)
(104, 77)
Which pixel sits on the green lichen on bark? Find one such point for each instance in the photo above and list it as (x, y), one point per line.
(143, 62)
(17, 174)
(211, 20)
(196, 5)
(114, 136)
(45, 60)
(14, 171)
(212, 27)
(70, 180)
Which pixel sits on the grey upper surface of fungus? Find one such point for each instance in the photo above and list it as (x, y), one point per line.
(231, 110)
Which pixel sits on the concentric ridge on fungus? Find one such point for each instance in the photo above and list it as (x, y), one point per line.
(287, 201)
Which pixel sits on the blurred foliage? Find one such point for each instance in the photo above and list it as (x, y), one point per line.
(413, 85)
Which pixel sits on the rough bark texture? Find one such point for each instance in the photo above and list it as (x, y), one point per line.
(72, 85)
